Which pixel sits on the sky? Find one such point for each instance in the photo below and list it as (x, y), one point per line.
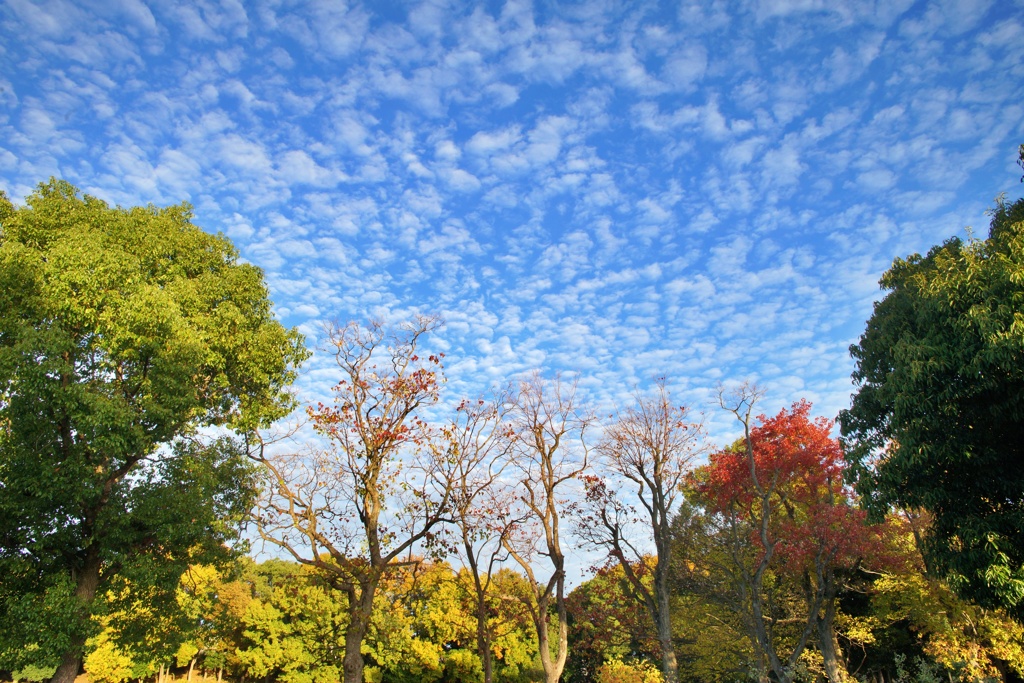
(705, 191)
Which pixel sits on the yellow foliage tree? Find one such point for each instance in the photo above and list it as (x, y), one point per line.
(618, 671)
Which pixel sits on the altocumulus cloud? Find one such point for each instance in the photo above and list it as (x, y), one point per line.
(703, 191)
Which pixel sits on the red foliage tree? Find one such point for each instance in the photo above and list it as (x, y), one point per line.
(780, 493)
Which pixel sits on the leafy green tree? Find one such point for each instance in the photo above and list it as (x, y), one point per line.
(937, 422)
(419, 623)
(122, 331)
(108, 661)
(294, 626)
(424, 630)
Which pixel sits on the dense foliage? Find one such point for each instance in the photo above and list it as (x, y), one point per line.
(938, 420)
(122, 331)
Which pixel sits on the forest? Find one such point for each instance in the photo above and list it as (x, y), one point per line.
(149, 445)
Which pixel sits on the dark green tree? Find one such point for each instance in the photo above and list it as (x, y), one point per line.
(122, 332)
(937, 422)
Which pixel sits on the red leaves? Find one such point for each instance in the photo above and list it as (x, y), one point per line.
(797, 469)
(791, 452)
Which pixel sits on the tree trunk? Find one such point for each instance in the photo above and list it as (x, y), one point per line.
(483, 644)
(763, 642)
(353, 663)
(553, 667)
(359, 613)
(483, 635)
(663, 622)
(669, 665)
(540, 622)
(563, 650)
(191, 665)
(829, 645)
(85, 591)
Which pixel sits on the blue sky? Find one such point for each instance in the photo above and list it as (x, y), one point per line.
(703, 190)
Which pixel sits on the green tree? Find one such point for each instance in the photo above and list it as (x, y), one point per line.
(937, 422)
(293, 627)
(122, 331)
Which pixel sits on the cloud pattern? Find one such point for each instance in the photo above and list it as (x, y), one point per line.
(703, 190)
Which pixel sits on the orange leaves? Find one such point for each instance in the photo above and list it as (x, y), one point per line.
(791, 471)
(791, 454)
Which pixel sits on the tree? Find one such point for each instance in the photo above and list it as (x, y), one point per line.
(967, 641)
(938, 418)
(607, 623)
(478, 438)
(121, 331)
(784, 510)
(550, 453)
(650, 448)
(381, 485)
(293, 625)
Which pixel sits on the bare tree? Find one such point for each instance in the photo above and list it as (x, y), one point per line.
(549, 451)
(478, 439)
(650, 448)
(355, 508)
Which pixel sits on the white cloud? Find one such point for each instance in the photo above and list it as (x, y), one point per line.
(486, 143)
(709, 192)
(686, 67)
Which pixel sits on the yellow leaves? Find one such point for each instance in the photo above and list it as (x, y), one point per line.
(106, 662)
(956, 634)
(618, 671)
(860, 630)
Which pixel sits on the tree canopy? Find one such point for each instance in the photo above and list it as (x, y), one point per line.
(122, 331)
(938, 418)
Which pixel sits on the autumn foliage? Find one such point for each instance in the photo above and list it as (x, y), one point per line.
(797, 469)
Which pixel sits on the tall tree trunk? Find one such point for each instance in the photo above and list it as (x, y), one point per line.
(540, 622)
(829, 644)
(353, 663)
(85, 591)
(483, 635)
(563, 650)
(553, 666)
(663, 622)
(669, 665)
(483, 644)
(359, 613)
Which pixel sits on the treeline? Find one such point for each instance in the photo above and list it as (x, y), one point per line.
(785, 556)
(280, 621)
